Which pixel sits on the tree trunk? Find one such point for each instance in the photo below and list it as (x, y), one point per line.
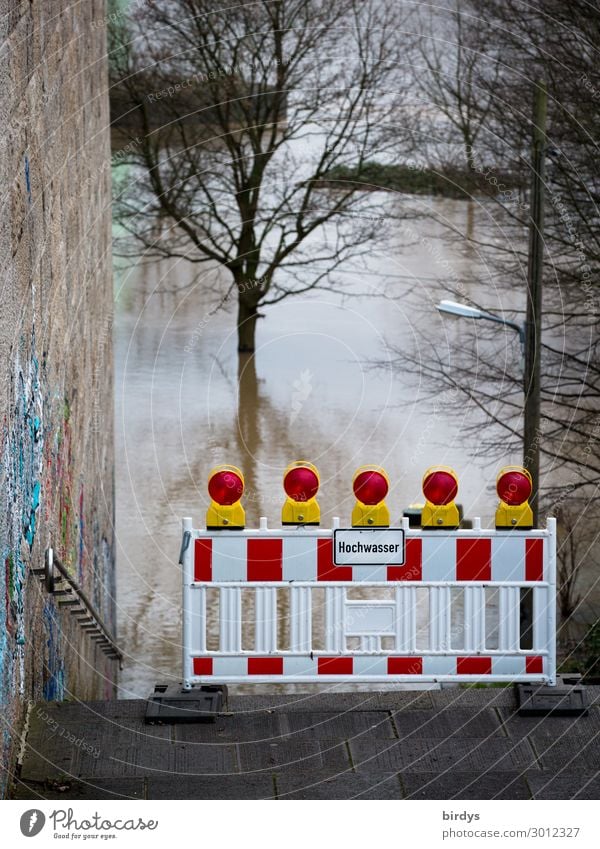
(248, 432)
(246, 323)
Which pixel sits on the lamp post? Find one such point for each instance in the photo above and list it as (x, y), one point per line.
(530, 334)
(533, 321)
(531, 447)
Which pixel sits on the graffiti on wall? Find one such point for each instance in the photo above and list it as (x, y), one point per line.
(20, 473)
(21, 453)
(38, 487)
(38, 483)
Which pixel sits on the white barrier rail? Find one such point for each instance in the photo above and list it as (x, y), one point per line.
(269, 605)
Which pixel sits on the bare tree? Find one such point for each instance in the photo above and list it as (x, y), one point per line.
(454, 83)
(478, 364)
(240, 111)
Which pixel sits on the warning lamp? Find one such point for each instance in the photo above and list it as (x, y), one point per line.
(370, 485)
(514, 488)
(301, 484)
(225, 487)
(440, 488)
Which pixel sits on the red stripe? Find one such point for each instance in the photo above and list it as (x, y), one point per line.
(534, 664)
(326, 571)
(405, 665)
(473, 665)
(265, 666)
(335, 665)
(534, 559)
(203, 560)
(265, 559)
(203, 666)
(473, 560)
(412, 570)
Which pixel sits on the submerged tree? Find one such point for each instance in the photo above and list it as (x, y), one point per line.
(239, 112)
(456, 87)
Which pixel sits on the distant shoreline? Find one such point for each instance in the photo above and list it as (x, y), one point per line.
(455, 183)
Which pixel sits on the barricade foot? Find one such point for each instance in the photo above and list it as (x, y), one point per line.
(169, 704)
(543, 700)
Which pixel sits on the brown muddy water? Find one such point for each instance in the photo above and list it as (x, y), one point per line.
(185, 402)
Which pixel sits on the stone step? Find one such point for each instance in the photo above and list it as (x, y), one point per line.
(462, 743)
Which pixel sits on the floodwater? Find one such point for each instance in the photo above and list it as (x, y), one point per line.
(186, 402)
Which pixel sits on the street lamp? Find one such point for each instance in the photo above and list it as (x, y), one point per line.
(465, 311)
(531, 411)
(530, 333)
(531, 446)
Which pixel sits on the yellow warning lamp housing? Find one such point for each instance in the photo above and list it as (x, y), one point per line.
(440, 488)
(514, 487)
(301, 483)
(225, 487)
(370, 485)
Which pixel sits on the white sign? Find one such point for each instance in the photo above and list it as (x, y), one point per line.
(368, 547)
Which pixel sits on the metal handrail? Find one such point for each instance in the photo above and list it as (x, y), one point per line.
(91, 621)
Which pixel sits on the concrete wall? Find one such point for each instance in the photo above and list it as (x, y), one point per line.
(56, 408)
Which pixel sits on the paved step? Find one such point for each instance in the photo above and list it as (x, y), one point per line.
(449, 744)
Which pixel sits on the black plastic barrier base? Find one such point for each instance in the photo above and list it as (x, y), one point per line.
(169, 703)
(540, 700)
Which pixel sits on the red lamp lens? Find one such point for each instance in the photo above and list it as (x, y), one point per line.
(440, 488)
(301, 484)
(370, 487)
(225, 488)
(513, 488)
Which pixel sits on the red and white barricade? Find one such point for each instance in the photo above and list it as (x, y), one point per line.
(287, 614)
